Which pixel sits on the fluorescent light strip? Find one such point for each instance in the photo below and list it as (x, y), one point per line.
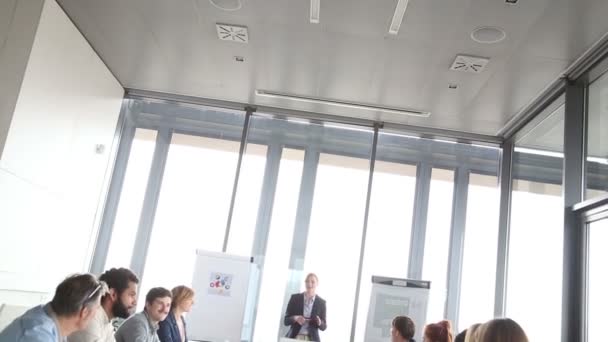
(598, 160)
(315, 9)
(398, 16)
(340, 103)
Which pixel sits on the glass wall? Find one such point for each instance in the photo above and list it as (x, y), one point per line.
(437, 241)
(597, 298)
(387, 243)
(299, 207)
(479, 258)
(535, 268)
(131, 198)
(192, 208)
(597, 139)
(278, 248)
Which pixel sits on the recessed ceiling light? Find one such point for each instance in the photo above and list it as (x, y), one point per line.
(227, 5)
(488, 34)
(341, 103)
(315, 9)
(398, 16)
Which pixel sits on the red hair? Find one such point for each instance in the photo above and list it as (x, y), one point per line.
(439, 332)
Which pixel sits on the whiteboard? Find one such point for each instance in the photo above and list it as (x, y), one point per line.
(221, 283)
(393, 297)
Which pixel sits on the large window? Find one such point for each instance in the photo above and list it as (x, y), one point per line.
(388, 229)
(534, 279)
(437, 241)
(598, 281)
(597, 139)
(299, 207)
(334, 238)
(479, 257)
(192, 208)
(278, 249)
(247, 201)
(131, 199)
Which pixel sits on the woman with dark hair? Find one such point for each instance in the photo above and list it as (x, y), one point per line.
(173, 328)
(438, 332)
(402, 329)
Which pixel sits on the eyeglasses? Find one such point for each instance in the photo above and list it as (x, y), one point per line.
(100, 286)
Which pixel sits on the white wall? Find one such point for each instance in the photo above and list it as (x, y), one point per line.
(51, 177)
(18, 22)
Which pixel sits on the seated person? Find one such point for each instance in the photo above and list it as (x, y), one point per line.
(438, 332)
(118, 302)
(501, 330)
(142, 326)
(402, 329)
(74, 304)
(173, 328)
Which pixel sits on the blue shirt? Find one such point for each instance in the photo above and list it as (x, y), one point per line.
(36, 325)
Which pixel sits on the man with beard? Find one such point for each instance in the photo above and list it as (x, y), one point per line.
(119, 302)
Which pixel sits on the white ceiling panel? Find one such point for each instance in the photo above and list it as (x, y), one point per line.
(172, 46)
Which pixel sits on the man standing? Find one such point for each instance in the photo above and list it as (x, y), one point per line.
(119, 302)
(75, 303)
(142, 326)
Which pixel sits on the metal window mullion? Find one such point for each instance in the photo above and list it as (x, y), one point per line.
(364, 233)
(418, 232)
(242, 149)
(148, 211)
(573, 291)
(112, 199)
(262, 229)
(502, 251)
(457, 235)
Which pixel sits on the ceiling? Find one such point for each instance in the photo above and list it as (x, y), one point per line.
(172, 47)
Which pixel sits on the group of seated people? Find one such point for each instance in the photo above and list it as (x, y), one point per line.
(403, 329)
(84, 308)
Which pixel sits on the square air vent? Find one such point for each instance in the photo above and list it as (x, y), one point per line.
(232, 33)
(469, 64)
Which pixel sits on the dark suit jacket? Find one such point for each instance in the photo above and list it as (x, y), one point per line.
(168, 330)
(295, 307)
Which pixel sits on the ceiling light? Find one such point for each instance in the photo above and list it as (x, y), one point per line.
(398, 16)
(488, 35)
(341, 103)
(227, 5)
(315, 9)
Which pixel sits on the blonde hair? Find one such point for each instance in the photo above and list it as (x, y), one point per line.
(180, 294)
(311, 275)
(472, 334)
(501, 330)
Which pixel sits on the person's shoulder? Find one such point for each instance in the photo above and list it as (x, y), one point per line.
(320, 299)
(131, 322)
(36, 318)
